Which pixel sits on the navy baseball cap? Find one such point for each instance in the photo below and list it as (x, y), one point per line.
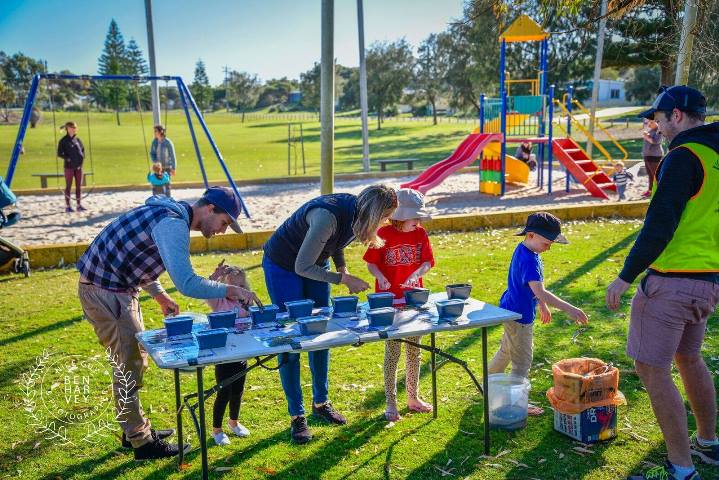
(225, 201)
(681, 97)
(546, 225)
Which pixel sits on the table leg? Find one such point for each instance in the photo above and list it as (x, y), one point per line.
(201, 407)
(178, 410)
(485, 387)
(434, 376)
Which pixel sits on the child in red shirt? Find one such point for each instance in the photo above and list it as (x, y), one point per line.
(398, 266)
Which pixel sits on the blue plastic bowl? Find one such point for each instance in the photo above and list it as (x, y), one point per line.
(267, 314)
(416, 296)
(346, 304)
(299, 308)
(179, 325)
(224, 319)
(312, 325)
(381, 317)
(451, 308)
(214, 338)
(459, 290)
(380, 300)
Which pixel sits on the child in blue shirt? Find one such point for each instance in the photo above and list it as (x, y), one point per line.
(159, 180)
(525, 291)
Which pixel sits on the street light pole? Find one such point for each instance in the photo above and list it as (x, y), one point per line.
(363, 87)
(686, 43)
(327, 100)
(153, 66)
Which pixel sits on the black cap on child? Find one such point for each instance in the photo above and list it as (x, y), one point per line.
(546, 225)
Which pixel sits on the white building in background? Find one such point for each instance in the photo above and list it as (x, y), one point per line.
(611, 92)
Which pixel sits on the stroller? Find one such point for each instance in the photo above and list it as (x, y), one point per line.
(9, 252)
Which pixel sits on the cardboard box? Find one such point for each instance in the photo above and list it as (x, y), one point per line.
(591, 425)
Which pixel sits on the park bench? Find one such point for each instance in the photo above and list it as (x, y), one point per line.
(407, 161)
(45, 176)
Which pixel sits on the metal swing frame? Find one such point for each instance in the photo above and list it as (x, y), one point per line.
(188, 103)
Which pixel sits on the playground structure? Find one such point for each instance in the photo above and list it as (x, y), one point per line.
(295, 136)
(186, 99)
(525, 118)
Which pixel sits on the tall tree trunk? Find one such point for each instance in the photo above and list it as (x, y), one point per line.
(433, 102)
(379, 117)
(117, 116)
(243, 115)
(667, 72)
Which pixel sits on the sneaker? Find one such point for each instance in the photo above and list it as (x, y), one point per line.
(239, 430)
(299, 431)
(157, 449)
(69, 210)
(665, 472)
(80, 208)
(221, 439)
(156, 434)
(328, 413)
(708, 454)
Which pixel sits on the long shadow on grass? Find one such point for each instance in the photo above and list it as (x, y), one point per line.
(86, 467)
(41, 330)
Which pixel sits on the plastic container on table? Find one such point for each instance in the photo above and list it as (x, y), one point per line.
(213, 338)
(345, 304)
(268, 313)
(243, 323)
(380, 299)
(508, 401)
(178, 325)
(451, 308)
(312, 325)
(299, 308)
(416, 297)
(458, 290)
(381, 317)
(224, 319)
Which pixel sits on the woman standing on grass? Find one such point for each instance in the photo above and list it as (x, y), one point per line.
(297, 267)
(72, 151)
(163, 151)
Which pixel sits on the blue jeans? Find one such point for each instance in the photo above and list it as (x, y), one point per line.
(285, 286)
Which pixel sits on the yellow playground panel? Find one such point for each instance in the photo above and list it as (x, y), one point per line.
(515, 170)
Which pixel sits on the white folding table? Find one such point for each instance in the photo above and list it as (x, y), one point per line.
(263, 344)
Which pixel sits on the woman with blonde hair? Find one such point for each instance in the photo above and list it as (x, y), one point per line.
(296, 265)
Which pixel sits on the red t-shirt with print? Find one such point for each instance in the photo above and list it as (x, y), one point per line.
(401, 255)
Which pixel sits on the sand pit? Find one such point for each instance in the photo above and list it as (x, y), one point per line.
(45, 221)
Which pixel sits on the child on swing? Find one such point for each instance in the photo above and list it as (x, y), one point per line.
(398, 266)
(232, 394)
(159, 180)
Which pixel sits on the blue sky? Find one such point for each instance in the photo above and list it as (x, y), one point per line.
(271, 38)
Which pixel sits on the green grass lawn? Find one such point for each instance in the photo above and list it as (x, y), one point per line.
(256, 148)
(42, 312)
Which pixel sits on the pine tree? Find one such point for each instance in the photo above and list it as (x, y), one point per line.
(200, 87)
(113, 61)
(137, 65)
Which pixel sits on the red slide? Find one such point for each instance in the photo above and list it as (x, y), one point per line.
(465, 154)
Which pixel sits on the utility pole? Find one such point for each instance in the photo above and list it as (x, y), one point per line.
(153, 66)
(597, 74)
(327, 100)
(686, 43)
(363, 87)
(226, 70)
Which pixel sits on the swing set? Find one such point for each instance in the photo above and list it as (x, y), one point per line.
(186, 99)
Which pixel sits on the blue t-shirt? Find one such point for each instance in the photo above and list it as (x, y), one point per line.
(526, 266)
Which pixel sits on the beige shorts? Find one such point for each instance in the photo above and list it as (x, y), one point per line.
(669, 316)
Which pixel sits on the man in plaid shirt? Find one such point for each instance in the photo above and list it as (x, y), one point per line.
(130, 254)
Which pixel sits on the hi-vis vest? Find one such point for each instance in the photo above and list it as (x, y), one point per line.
(694, 248)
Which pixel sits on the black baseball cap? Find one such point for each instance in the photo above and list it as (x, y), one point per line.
(546, 225)
(681, 97)
(225, 201)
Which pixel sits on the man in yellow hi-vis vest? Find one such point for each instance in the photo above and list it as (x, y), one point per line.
(678, 247)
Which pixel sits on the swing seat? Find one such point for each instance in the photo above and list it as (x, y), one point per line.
(45, 176)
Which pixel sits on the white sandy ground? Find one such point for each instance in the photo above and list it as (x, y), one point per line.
(44, 220)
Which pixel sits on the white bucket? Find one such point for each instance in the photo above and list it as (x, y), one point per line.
(508, 399)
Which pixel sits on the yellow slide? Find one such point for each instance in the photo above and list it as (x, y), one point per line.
(516, 171)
